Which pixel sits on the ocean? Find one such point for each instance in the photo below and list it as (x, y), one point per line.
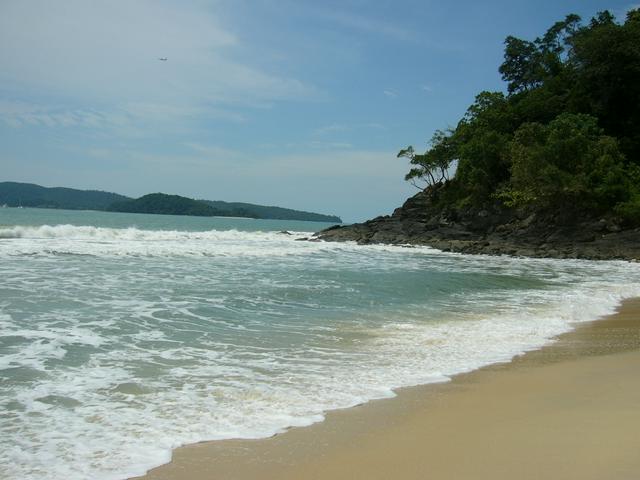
(123, 336)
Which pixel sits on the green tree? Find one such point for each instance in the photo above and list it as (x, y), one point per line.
(567, 162)
(431, 167)
(607, 85)
(521, 67)
(528, 64)
(565, 131)
(481, 137)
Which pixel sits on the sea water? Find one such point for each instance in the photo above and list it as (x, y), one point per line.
(123, 336)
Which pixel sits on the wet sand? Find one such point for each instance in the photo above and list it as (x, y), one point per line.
(570, 410)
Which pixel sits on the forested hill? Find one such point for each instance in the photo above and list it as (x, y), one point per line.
(566, 135)
(277, 213)
(163, 204)
(551, 167)
(14, 194)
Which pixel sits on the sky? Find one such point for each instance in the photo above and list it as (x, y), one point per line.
(300, 104)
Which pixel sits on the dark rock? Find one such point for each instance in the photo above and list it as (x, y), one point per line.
(495, 231)
(334, 227)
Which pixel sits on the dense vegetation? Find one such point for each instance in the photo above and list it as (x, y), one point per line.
(15, 194)
(566, 135)
(161, 203)
(269, 212)
(177, 205)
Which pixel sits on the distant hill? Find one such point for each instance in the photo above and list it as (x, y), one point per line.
(161, 203)
(15, 194)
(276, 213)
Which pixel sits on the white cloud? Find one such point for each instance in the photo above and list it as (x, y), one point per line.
(127, 120)
(308, 161)
(390, 93)
(103, 56)
(17, 114)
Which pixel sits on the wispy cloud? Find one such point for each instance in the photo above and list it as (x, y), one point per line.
(302, 159)
(341, 127)
(104, 56)
(330, 145)
(168, 112)
(364, 23)
(343, 162)
(308, 145)
(426, 88)
(124, 120)
(18, 114)
(102, 153)
(390, 93)
(213, 151)
(329, 129)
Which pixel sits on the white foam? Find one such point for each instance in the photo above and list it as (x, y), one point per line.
(133, 356)
(101, 241)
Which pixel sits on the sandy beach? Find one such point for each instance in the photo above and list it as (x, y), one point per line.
(570, 410)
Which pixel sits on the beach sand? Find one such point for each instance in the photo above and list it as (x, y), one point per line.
(568, 411)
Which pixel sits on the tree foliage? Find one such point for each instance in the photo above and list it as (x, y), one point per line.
(568, 161)
(16, 194)
(432, 167)
(528, 64)
(567, 131)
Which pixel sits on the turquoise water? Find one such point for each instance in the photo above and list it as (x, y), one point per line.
(123, 336)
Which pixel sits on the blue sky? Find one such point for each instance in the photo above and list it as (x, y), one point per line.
(301, 104)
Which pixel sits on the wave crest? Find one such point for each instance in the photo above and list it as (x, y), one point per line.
(89, 240)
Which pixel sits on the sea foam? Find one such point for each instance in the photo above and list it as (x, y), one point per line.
(120, 344)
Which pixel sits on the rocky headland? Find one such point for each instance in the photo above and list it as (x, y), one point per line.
(549, 168)
(495, 230)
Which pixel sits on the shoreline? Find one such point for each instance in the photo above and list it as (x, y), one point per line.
(623, 245)
(563, 411)
(494, 231)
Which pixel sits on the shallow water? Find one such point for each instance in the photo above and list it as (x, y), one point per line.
(123, 336)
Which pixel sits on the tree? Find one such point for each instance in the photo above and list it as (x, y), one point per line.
(567, 162)
(528, 64)
(521, 67)
(431, 167)
(607, 85)
(565, 131)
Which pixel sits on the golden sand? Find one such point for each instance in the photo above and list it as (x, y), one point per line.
(568, 411)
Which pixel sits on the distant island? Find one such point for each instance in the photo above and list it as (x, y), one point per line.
(550, 168)
(15, 194)
(262, 211)
(163, 204)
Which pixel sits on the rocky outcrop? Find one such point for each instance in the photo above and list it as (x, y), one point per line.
(495, 230)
